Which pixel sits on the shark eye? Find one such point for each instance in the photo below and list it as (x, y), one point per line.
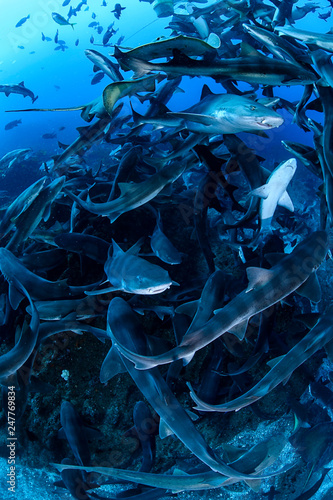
(252, 108)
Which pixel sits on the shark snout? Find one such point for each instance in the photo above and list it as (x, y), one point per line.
(270, 121)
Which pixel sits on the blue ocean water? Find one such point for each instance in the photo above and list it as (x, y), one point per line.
(49, 58)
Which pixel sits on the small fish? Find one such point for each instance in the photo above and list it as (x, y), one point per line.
(117, 10)
(93, 15)
(56, 37)
(62, 128)
(46, 38)
(104, 4)
(12, 124)
(99, 29)
(61, 20)
(108, 34)
(22, 21)
(93, 24)
(66, 2)
(20, 47)
(120, 40)
(97, 78)
(91, 39)
(77, 42)
(325, 16)
(52, 135)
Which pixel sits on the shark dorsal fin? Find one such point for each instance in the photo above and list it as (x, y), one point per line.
(82, 130)
(180, 58)
(205, 92)
(135, 249)
(257, 276)
(272, 362)
(248, 51)
(21, 84)
(116, 249)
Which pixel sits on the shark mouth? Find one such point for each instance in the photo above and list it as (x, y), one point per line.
(266, 124)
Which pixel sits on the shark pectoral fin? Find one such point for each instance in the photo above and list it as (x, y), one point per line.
(310, 289)
(272, 362)
(126, 187)
(135, 249)
(47, 212)
(164, 430)
(274, 258)
(257, 276)
(116, 249)
(15, 297)
(189, 308)
(261, 192)
(254, 484)
(193, 416)
(240, 329)
(285, 202)
(111, 366)
(187, 359)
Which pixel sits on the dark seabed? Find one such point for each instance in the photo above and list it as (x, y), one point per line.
(166, 204)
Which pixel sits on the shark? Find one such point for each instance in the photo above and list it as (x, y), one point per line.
(9, 159)
(322, 41)
(266, 287)
(38, 288)
(103, 63)
(130, 273)
(281, 367)
(251, 67)
(19, 205)
(27, 221)
(189, 45)
(274, 193)
(221, 114)
(133, 195)
(12, 361)
(20, 89)
(277, 45)
(123, 323)
(162, 246)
